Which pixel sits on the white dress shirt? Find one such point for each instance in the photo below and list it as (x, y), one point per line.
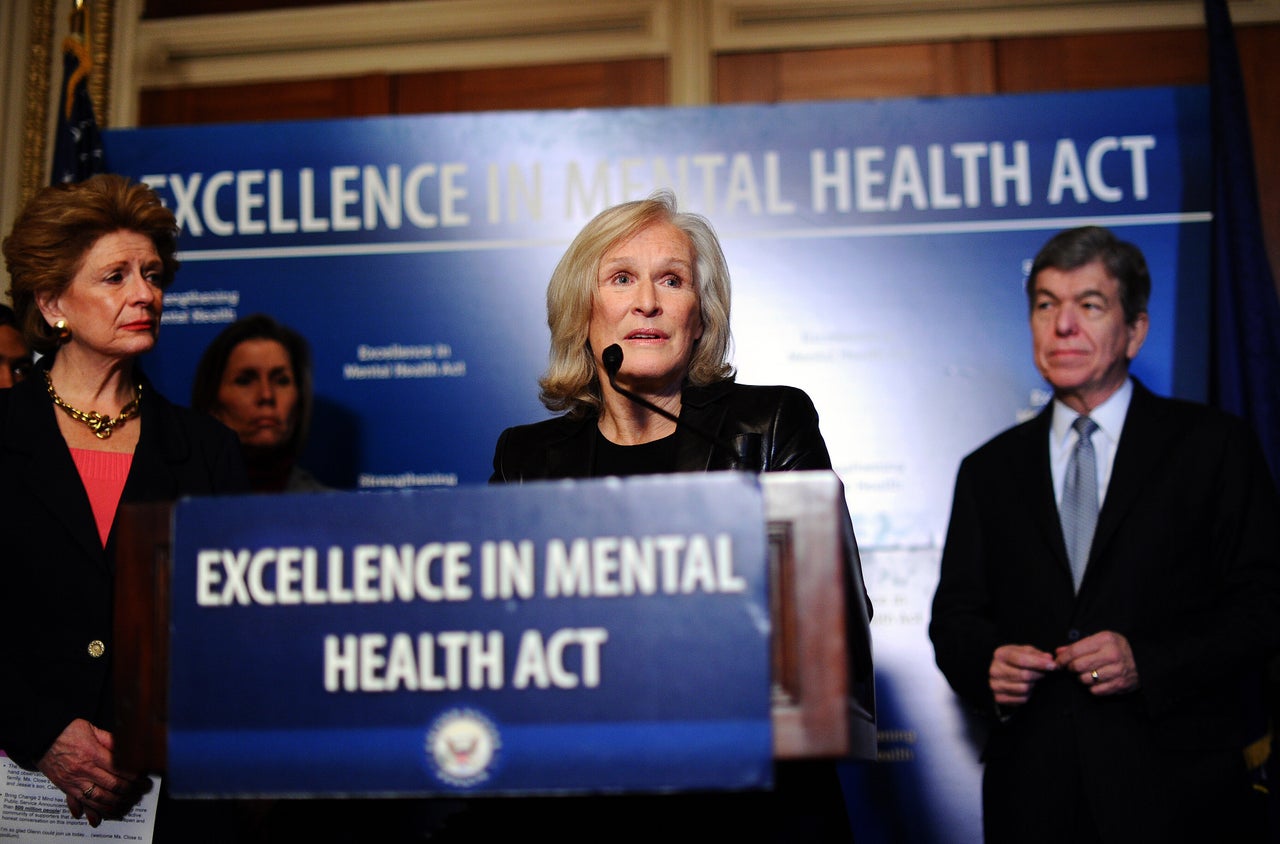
(1109, 417)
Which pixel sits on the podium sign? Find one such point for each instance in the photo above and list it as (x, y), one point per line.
(554, 637)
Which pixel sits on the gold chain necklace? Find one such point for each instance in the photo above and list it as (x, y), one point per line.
(101, 425)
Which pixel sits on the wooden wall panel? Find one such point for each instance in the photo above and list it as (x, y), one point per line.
(1106, 60)
(902, 70)
(359, 96)
(636, 82)
(749, 78)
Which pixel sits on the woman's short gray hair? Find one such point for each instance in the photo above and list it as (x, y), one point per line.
(571, 382)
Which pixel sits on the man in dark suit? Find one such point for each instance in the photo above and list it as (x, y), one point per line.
(1108, 585)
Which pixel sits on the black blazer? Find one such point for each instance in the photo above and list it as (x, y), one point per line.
(56, 578)
(1183, 563)
(772, 429)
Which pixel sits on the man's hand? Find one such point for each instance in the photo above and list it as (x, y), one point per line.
(1103, 662)
(1015, 669)
(79, 762)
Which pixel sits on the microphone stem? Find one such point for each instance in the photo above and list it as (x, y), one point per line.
(666, 414)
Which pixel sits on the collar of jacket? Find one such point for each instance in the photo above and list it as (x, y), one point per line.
(574, 455)
(30, 432)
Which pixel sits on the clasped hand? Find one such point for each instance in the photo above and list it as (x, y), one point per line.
(1103, 662)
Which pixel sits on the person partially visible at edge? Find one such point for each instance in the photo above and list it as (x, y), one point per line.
(255, 377)
(654, 281)
(84, 433)
(1109, 653)
(15, 354)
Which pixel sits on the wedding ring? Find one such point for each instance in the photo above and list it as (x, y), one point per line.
(88, 792)
(1094, 675)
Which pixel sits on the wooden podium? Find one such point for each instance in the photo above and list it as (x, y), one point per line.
(823, 688)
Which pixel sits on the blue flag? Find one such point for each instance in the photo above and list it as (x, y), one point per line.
(77, 149)
(1244, 376)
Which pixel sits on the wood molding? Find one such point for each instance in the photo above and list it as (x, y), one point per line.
(773, 24)
(419, 35)
(101, 30)
(395, 38)
(36, 115)
(123, 91)
(691, 61)
(754, 25)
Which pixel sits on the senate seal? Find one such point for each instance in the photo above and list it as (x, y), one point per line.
(463, 745)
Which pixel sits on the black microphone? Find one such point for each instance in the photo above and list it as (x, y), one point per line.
(611, 357)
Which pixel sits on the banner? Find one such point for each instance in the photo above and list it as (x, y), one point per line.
(473, 642)
(878, 251)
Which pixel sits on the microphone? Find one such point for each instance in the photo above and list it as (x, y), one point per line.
(611, 357)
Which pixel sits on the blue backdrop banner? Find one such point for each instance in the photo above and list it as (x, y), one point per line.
(878, 251)
(414, 252)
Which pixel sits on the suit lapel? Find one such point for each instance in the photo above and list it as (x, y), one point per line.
(1035, 484)
(699, 410)
(161, 446)
(49, 472)
(1137, 455)
(574, 455)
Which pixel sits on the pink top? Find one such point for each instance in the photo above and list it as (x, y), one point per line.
(103, 474)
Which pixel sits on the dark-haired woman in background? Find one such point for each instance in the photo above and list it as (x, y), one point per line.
(255, 378)
(89, 263)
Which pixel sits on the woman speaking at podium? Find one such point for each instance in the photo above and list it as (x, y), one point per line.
(88, 263)
(639, 314)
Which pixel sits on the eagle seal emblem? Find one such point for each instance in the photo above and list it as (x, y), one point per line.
(462, 745)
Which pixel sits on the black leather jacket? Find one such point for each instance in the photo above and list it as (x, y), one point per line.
(771, 429)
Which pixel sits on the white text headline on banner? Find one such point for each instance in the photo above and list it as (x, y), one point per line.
(865, 180)
(596, 567)
(600, 567)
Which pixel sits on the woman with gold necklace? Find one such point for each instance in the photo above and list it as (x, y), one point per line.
(88, 264)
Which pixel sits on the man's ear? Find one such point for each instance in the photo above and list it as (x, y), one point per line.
(1137, 334)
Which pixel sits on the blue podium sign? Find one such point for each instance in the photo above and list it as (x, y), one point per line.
(554, 637)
